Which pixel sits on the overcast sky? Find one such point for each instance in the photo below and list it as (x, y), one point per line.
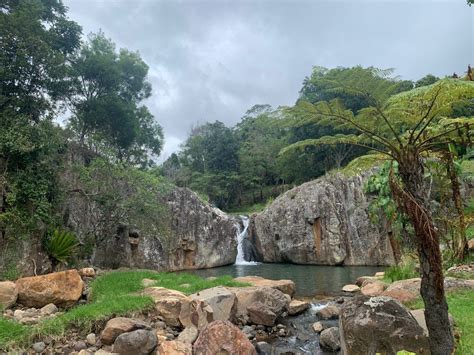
(212, 60)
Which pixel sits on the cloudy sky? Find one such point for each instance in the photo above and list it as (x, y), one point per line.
(212, 60)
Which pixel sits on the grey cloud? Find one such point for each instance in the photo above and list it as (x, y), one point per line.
(212, 60)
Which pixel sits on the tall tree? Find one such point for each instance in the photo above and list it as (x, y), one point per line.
(107, 88)
(406, 128)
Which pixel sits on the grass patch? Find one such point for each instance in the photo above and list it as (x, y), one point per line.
(461, 306)
(406, 269)
(248, 210)
(112, 294)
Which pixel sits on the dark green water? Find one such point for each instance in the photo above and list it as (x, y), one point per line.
(310, 280)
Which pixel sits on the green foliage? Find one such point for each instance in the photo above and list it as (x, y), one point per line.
(461, 306)
(406, 269)
(124, 194)
(61, 245)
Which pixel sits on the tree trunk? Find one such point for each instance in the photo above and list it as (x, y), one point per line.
(413, 200)
(461, 246)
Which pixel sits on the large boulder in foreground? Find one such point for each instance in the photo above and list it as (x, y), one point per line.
(222, 337)
(8, 294)
(325, 221)
(379, 324)
(62, 288)
(222, 301)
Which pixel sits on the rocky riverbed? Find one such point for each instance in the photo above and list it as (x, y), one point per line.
(262, 318)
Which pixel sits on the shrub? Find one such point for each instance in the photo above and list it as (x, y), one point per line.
(60, 246)
(406, 269)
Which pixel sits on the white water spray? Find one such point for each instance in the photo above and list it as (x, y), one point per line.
(241, 235)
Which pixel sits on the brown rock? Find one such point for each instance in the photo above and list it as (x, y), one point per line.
(297, 307)
(373, 288)
(222, 337)
(470, 244)
(329, 312)
(188, 335)
(120, 325)
(362, 279)
(260, 313)
(61, 288)
(174, 348)
(87, 272)
(8, 294)
(318, 327)
(285, 286)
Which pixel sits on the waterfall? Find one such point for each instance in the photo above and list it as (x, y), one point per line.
(241, 236)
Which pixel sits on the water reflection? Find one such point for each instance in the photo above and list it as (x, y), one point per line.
(310, 280)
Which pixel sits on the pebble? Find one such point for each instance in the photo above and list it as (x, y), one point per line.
(91, 339)
(80, 345)
(39, 347)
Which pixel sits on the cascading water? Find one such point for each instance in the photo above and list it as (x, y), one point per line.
(241, 236)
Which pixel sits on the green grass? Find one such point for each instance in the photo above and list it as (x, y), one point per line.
(113, 294)
(406, 269)
(461, 306)
(248, 210)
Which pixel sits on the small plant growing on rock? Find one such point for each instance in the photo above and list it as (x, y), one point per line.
(61, 246)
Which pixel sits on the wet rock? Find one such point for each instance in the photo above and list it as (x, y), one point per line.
(136, 342)
(379, 324)
(222, 337)
(174, 348)
(329, 312)
(119, 325)
(8, 294)
(296, 307)
(318, 327)
(188, 335)
(285, 286)
(62, 288)
(329, 339)
(263, 348)
(222, 301)
(324, 221)
(39, 347)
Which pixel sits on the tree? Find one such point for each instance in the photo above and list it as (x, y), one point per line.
(106, 91)
(406, 128)
(426, 80)
(37, 41)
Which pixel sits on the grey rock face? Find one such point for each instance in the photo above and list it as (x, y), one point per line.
(324, 221)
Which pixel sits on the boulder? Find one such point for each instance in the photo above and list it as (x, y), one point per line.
(322, 222)
(49, 309)
(331, 311)
(8, 294)
(373, 288)
(168, 303)
(285, 286)
(120, 325)
(351, 288)
(188, 335)
(260, 313)
(329, 339)
(275, 300)
(362, 279)
(297, 307)
(379, 324)
(173, 347)
(222, 337)
(409, 290)
(137, 342)
(62, 288)
(222, 301)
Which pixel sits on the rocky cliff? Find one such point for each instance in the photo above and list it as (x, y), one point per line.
(325, 222)
(194, 236)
